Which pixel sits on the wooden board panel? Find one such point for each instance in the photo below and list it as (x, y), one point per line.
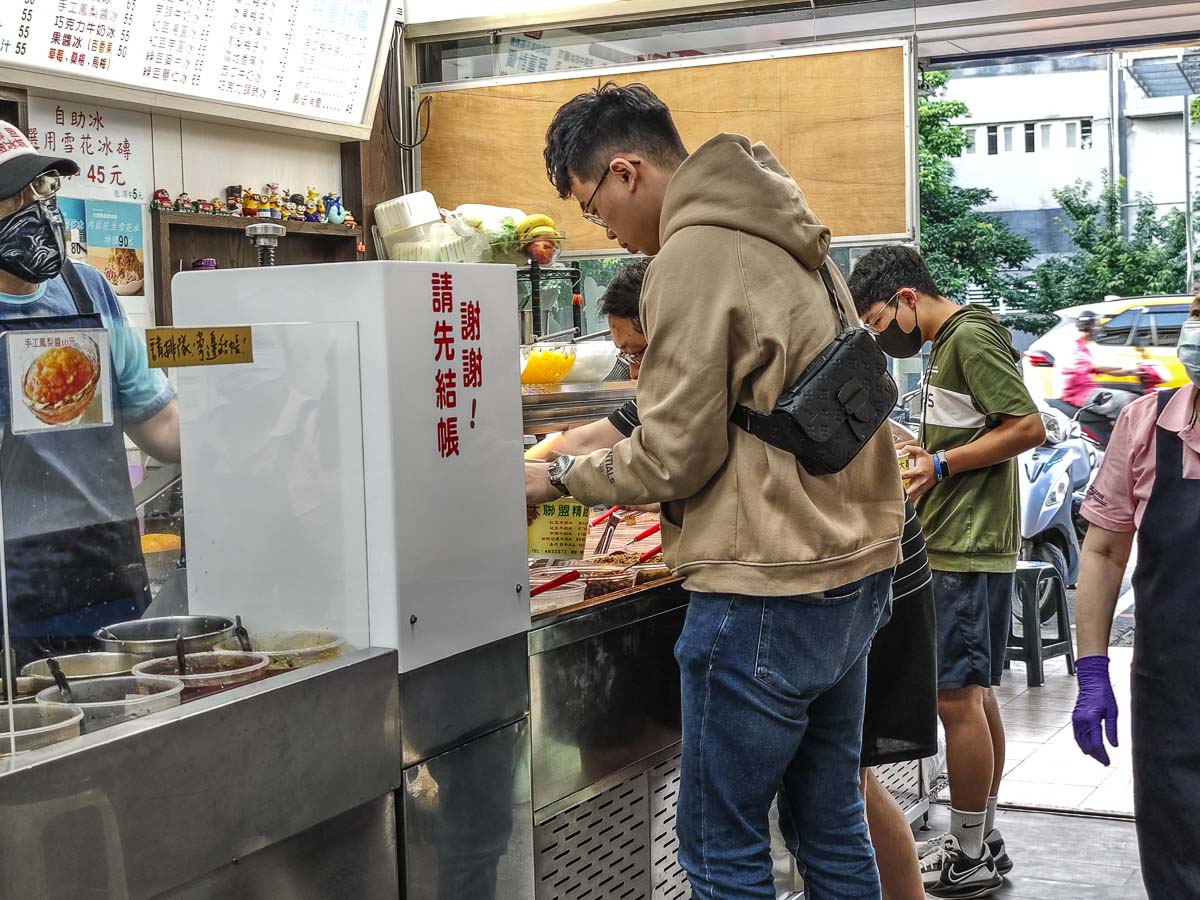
(835, 120)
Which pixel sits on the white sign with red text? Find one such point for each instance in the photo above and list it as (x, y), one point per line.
(112, 148)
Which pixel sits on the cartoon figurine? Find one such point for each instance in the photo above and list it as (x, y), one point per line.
(264, 206)
(295, 213)
(183, 203)
(310, 212)
(349, 221)
(203, 206)
(218, 207)
(335, 213)
(249, 204)
(161, 199)
(312, 196)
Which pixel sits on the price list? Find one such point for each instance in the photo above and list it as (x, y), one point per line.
(311, 58)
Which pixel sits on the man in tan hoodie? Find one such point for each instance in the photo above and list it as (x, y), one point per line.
(789, 572)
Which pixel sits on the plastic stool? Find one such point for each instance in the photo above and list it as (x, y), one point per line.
(1032, 581)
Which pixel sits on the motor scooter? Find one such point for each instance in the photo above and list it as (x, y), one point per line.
(1052, 481)
(1096, 421)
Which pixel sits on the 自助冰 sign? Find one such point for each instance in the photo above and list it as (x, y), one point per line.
(112, 147)
(223, 346)
(59, 379)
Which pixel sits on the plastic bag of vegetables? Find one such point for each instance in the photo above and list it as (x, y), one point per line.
(496, 225)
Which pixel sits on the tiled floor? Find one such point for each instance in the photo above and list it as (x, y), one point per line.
(1044, 768)
(1063, 857)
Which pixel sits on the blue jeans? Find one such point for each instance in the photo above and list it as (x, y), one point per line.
(773, 692)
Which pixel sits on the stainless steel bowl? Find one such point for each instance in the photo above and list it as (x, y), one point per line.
(27, 688)
(156, 637)
(83, 666)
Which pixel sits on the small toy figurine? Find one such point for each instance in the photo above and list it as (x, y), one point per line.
(161, 199)
(335, 213)
(312, 196)
(310, 212)
(218, 207)
(183, 203)
(349, 221)
(295, 214)
(203, 206)
(249, 204)
(264, 206)
(298, 199)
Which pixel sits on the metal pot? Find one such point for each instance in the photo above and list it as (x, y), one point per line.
(156, 637)
(85, 666)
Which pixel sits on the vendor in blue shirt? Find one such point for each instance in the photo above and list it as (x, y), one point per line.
(72, 547)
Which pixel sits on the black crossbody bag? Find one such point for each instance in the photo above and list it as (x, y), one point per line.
(836, 405)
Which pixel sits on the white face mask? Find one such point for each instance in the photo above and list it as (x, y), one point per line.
(1189, 349)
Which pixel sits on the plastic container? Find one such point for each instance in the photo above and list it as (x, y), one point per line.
(600, 580)
(107, 701)
(84, 666)
(291, 649)
(209, 672)
(558, 598)
(594, 360)
(38, 726)
(547, 362)
(411, 230)
(27, 688)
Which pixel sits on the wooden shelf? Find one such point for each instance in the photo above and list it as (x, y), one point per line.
(239, 223)
(181, 238)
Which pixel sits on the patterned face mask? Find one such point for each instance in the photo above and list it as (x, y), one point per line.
(31, 243)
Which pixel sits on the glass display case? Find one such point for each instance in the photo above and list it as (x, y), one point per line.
(199, 626)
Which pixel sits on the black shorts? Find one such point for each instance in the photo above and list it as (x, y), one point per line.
(974, 616)
(900, 721)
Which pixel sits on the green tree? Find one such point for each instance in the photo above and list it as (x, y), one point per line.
(1151, 258)
(962, 245)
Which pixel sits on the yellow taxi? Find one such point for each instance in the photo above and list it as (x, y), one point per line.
(1133, 330)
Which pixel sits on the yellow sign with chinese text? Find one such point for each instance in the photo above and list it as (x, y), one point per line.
(224, 346)
(560, 530)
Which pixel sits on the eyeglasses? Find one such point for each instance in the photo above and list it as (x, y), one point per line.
(631, 359)
(872, 327)
(44, 187)
(587, 207)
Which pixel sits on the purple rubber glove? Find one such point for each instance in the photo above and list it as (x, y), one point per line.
(1096, 703)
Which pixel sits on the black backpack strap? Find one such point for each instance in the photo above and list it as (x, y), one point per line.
(83, 300)
(833, 297)
(744, 417)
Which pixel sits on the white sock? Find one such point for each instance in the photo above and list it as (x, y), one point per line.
(989, 824)
(968, 828)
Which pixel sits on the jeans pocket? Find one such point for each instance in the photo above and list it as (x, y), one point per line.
(832, 597)
(801, 645)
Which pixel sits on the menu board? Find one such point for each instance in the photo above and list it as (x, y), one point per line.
(312, 58)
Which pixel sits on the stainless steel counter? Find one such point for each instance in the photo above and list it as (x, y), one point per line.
(550, 408)
(218, 794)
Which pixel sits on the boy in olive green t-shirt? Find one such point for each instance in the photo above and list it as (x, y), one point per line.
(977, 417)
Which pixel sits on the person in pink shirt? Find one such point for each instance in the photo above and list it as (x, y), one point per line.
(1079, 382)
(1149, 486)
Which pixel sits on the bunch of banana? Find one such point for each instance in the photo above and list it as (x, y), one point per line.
(535, 227)
(538, 237)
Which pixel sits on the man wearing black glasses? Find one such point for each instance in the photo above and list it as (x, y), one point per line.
(73, 383)
(789, 573)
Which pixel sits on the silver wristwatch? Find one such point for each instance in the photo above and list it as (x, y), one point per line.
(558, 471)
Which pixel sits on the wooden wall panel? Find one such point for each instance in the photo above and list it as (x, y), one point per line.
(835, 120)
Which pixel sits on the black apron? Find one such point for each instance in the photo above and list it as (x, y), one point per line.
(71, 538)
(1166, 678)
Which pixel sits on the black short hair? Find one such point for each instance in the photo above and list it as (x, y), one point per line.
(589, 129)
(886, 270)
(623, 297)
